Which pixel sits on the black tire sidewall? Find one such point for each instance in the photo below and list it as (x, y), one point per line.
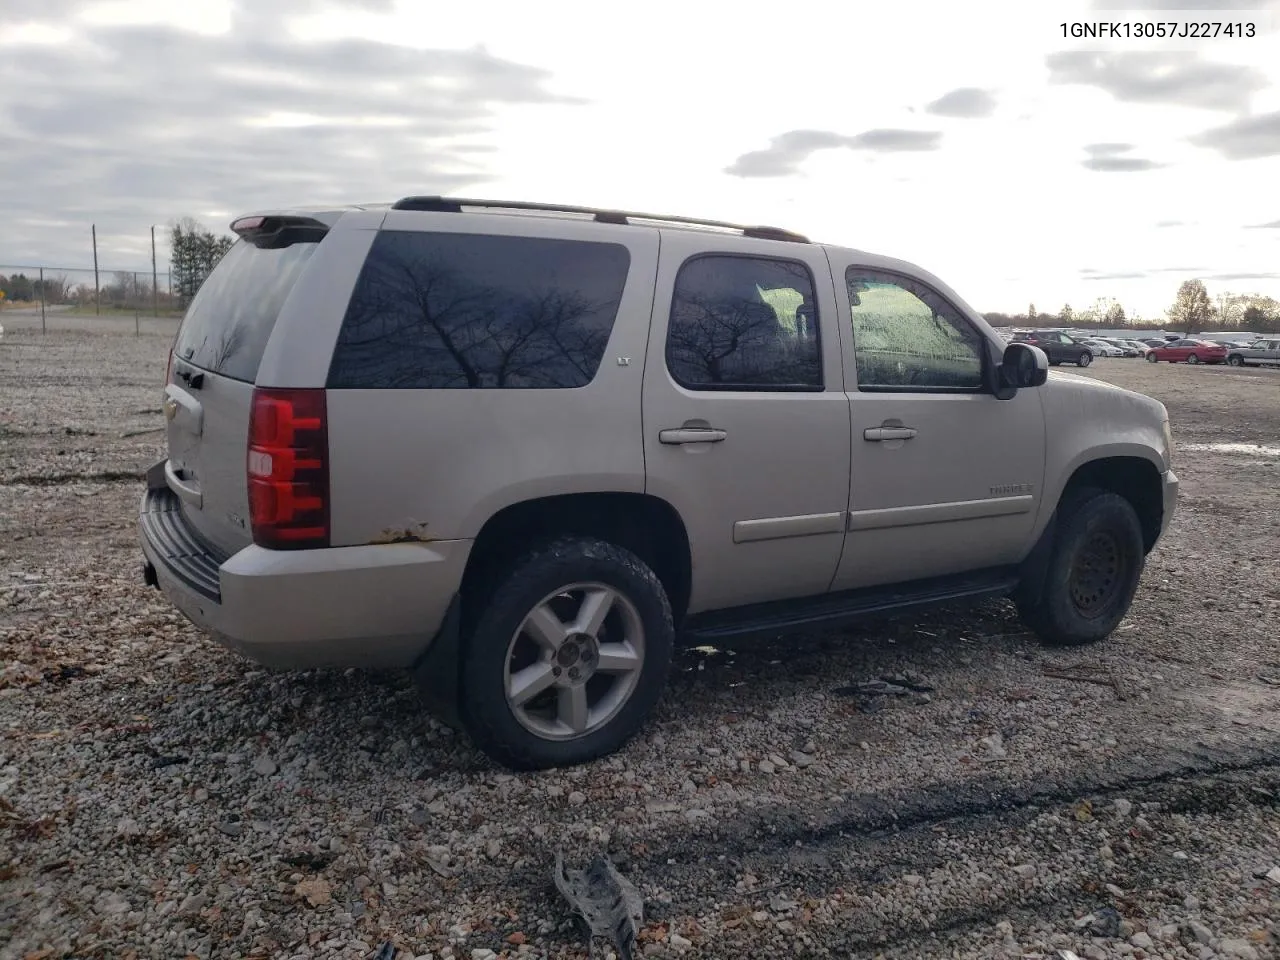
(1084, 360)
(1152, 358)
(485, 712)
(1055, 616)
(1192, 358)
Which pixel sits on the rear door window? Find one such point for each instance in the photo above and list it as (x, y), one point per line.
(744, 323)
(475, 311)
(229, 322)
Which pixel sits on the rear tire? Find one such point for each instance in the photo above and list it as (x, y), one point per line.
(537, 631)
(1235, 360)
(1093, 572)
(1084, 359)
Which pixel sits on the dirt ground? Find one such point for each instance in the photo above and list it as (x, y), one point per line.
(160, 797)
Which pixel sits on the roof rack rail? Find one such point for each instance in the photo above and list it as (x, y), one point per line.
(455, 205)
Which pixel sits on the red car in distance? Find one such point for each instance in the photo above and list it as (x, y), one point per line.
(1189, 351)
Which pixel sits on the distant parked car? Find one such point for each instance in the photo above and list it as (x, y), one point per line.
(1139, 348)
(1124, 346)
(1189, 351)
(1057, 346)
(1156, 342)
(1260, 353)
(1102, 348)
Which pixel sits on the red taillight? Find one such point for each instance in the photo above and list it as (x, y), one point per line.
(288, 468)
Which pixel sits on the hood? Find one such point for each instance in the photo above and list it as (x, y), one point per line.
(1077, 395)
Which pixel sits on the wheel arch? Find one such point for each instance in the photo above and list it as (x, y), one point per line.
(1136, 478)
(646, 525)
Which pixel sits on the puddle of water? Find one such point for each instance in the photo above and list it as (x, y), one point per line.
(1252, 449)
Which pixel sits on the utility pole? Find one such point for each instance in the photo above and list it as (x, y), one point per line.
(43, 328)
(97, 295)
(155, 281)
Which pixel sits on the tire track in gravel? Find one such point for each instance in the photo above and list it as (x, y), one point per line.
(1253, 782)
(875, 815)
(1072, 889)
(871, 841)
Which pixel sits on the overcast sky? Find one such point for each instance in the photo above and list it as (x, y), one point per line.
(969, 138)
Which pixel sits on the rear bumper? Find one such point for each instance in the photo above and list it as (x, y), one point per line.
(1170, 484)
(372, 606)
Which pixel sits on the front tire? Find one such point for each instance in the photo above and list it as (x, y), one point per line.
(1152, 358)
(1192, 358)
(1084, 359)
(569, 656)
(1094, 569)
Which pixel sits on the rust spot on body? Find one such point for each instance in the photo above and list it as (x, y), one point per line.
(414, 533)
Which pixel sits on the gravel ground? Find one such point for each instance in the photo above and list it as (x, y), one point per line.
(162, 798)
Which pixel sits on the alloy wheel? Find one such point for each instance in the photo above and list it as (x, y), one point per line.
(575, 661)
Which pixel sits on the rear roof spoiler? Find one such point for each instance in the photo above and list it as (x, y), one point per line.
(272, 231)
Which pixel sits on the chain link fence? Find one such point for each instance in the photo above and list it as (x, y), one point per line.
(53, 298)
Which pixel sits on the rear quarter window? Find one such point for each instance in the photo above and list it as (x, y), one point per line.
(230, 320)
(475, 311)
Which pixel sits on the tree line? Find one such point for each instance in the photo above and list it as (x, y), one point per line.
(1192, 311)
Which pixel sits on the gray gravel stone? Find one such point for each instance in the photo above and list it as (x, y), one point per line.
(1242, 949)
(1202, 933)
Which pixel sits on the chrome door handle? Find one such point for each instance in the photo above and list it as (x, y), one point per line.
(888, 433)
(692, 435)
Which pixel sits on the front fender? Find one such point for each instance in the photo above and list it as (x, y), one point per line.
(1089, 421)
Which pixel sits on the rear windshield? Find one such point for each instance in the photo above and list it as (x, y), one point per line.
(227, 326)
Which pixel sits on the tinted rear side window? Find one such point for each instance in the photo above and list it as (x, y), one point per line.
(227, 326)
(744, 323)
(448, 310)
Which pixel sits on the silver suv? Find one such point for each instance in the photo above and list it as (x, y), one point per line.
(523, 449)
(1260, 353)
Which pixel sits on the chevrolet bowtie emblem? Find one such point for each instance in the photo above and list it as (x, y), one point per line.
(170, 408)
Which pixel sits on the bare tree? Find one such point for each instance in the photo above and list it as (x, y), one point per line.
(56, 288)
(1191, 309)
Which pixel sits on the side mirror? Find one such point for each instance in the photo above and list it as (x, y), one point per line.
(1022, 366)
